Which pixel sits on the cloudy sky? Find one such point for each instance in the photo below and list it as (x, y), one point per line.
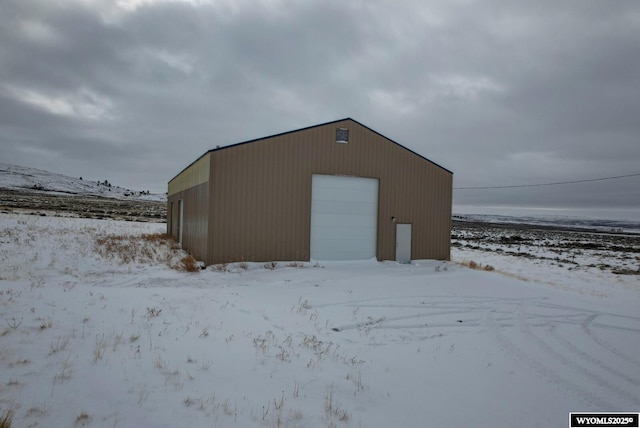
(502, 93)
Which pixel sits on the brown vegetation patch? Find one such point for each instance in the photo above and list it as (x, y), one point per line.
(189, 263)
(477, 266)
(6, 418)
(154, 248)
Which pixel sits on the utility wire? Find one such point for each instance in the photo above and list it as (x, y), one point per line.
(546, 184)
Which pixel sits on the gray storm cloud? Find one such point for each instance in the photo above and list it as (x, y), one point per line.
(501, 93)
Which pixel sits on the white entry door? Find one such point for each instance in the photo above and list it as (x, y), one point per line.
(344, 217)
(403, 243)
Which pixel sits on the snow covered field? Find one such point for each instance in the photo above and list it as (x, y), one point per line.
(91, 339)
(21, 178)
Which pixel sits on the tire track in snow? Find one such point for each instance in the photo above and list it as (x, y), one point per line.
(585, 356)
(383, 322)
(553, 376)
(564, 366)
(593, 315)
(426, 301)
(586, 320)
(586, 327)
(450, 306)
(566, 361)
(461, 319)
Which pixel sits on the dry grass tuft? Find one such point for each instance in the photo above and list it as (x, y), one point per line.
(83, 419)
(270, 265)
(6, 419)
(189, 264)
(157, 248)
(478, 266)
(127, 248)
(59, 344)
(333, 408)
(161, 238)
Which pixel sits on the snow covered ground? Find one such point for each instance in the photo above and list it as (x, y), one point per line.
(102, 336)
(16, 177)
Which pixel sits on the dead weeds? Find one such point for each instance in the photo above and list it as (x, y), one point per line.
(6, 418)
(153, 248)
(478, 266)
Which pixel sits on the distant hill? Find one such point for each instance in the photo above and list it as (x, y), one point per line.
(15, 177)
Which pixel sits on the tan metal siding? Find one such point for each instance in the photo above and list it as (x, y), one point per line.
(260, 198)
(257, 206)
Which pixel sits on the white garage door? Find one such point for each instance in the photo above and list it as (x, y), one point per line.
(344, 217)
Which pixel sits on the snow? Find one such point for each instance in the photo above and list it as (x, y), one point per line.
(15, 177)
(628, 225)
(553, 214)
(90, 339)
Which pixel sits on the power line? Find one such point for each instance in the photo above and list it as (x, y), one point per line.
(546, 184)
